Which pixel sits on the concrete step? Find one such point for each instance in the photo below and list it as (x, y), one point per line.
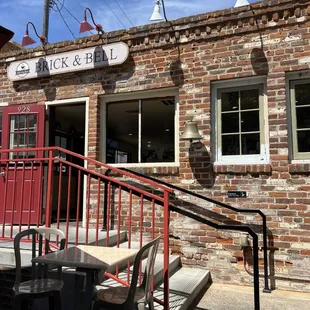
(185, 286)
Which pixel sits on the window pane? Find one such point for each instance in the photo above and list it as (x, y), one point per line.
(303, 117)
(249, 99)
(32, 140)
(22, 122)
(250, 121)
(250, 144)
(230, 122)
(303, 141)
(230, 145)
(230, 101)
(157, 130)
(32, 119)
(122, 131)
(302, 93)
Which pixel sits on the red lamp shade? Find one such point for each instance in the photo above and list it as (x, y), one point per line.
(27, 40)
(85, 26)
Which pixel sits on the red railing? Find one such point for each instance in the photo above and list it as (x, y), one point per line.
(59, 188)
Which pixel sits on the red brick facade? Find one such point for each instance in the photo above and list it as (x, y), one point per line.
(271, 40)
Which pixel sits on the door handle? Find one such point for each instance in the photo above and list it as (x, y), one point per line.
(2, 174)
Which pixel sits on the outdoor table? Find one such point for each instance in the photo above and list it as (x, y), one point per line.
(89, 259)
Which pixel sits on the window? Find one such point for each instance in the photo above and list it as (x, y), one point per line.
(300, 109)
(240, 127)
(141, 131)
(23, 134)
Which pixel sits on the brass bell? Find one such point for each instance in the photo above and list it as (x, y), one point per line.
(191, 132)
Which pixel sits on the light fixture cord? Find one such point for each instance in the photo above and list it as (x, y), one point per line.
(164, 10)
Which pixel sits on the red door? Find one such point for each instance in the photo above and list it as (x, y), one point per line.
(21, 181)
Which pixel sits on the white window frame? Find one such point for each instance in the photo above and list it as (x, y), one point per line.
(239, 84)
(171, 92)
(296, 156)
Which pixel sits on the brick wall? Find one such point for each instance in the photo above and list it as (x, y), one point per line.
(191, 53)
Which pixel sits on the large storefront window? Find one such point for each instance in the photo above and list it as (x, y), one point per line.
(240, 125)
(141, 131)
(300, 108)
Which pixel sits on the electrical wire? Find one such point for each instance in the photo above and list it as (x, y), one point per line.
(79, 3)
(53, 2)
(71, 13)
(114, 14)
(123, 13)
(59, 11)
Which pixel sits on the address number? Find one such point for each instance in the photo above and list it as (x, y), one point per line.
(23, 109)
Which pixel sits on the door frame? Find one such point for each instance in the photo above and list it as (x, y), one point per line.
(72, 101)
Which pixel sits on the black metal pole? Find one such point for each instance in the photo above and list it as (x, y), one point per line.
(266, 273)
(256, 272)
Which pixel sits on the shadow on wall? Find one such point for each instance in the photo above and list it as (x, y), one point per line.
(201, 165)
(117, 75)
(176, 72)
(259, 61)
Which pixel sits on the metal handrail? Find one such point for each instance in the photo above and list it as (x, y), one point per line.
(87, 159)
(45, 156)
(259, 212)
(243, 228)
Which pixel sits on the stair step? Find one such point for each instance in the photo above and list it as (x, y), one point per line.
(184, 287)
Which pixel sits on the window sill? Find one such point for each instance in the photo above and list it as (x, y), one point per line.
(299, 167)
(242, 169)
(159, 169)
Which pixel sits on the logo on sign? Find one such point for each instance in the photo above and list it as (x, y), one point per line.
(80, 59)
(22, 69)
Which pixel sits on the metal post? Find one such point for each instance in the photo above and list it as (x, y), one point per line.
(46, 16)
(49, 191)
(105, 202)
(266, 274)
(166, 250)
(256, 272)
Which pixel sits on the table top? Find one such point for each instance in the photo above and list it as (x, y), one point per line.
(87, 256)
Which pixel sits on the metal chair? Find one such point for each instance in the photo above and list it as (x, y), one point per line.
(40, 286)
(128, 298)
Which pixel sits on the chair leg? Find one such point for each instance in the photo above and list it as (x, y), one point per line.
(17, 303)
(96, 305)
(51, 302)
(151, 303)
(58, 300)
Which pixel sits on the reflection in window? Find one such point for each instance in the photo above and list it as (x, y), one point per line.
(240, 122)
(141, 131)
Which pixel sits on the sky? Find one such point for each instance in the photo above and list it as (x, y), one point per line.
(65, 15)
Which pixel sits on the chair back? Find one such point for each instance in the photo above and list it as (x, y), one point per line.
(40, 244)
(150, 249)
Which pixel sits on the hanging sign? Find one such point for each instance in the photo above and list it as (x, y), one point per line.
(84, 59)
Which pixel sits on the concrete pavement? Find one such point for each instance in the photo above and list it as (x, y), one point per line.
(234, 297)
